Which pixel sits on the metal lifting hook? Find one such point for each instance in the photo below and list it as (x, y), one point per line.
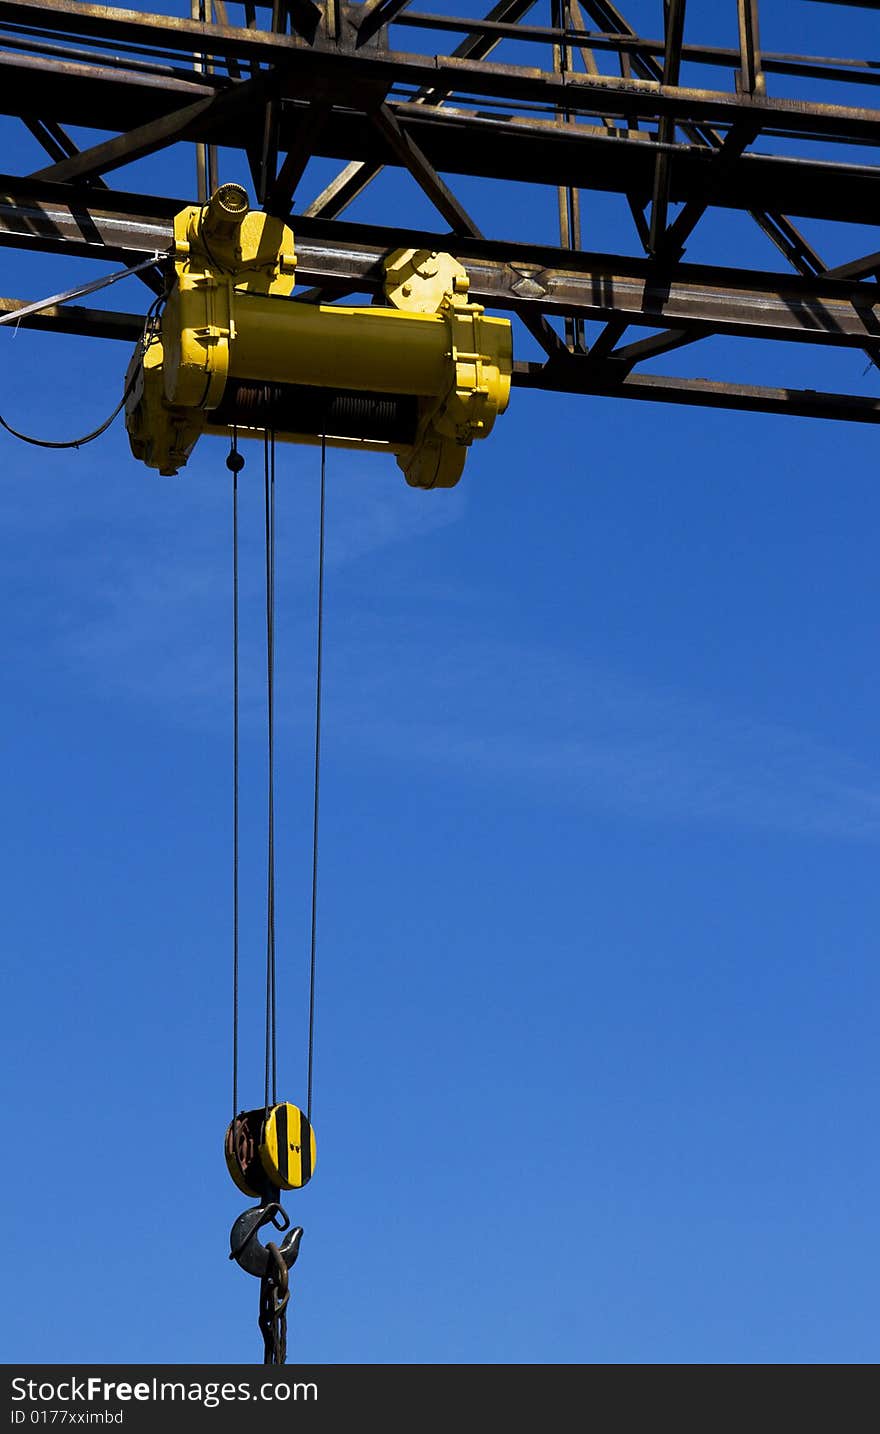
(246, 1249)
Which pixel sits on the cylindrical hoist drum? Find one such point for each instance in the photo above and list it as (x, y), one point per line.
(335, 413)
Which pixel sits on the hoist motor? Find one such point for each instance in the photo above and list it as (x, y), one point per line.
(420, 376)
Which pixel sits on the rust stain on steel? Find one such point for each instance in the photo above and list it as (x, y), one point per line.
(602, 94)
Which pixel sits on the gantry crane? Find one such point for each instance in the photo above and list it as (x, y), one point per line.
(248, 330)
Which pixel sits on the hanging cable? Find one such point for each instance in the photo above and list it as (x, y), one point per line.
(272, 988)
(318, 687)
(261, 1153)
(235, 463)
(149, 323)
(269, 477)
(72, 442)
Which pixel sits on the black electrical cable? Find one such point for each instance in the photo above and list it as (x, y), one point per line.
(73, 442)
(318, 688)
(129, 388)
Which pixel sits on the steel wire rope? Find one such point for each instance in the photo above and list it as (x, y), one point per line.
(269, 484)
(15, 315)
(235, 463)
(318, 692)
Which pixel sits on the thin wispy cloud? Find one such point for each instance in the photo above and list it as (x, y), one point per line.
(550, 726)
(134, 599)
(371, 513)
(134, 587)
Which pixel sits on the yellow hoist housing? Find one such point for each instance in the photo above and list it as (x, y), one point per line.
(420, 377)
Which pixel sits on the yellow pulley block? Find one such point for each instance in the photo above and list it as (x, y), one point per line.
(420, 377)
(287, 1150)
(270, 1152)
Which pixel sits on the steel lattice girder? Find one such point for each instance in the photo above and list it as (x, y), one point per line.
(350, 84)
(574, 375)
(334, 98)
(340, 72)
(454, 140)
(519, 277)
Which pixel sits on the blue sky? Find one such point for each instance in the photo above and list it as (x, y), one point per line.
(596, 1070)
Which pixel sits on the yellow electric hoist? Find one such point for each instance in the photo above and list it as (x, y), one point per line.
(420, 377)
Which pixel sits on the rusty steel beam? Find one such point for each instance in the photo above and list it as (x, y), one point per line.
(345, 187)
(673, 13)
(155, 135)
(454, 141)
(656, 344)
(769, 217)
(588, 94)
(572, 374)
(840, 69)
(305, 17)
(374, 14)
(671, 243)
(522, 278)
(577, 375)
(280, 196)
(613, 331)
(750, 77)
(478, 45)
(408, 153)
(330, 89)
(54, 140)
(75, 319)
(59, 146)
(856, 268)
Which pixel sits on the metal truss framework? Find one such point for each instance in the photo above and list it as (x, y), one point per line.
(608, 113)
